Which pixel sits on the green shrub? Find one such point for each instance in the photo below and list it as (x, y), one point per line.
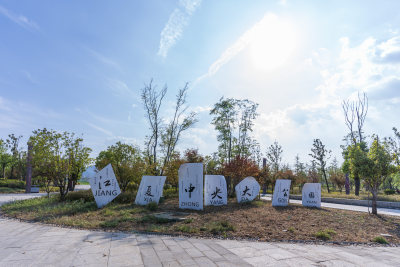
(170, 193)
(189, 220)
(325, 234)
(125, 198)
(380, 240)
(12, 183)
(221, 227)
(389, 191)
(109, 224)
(84, 195)
(186, 229)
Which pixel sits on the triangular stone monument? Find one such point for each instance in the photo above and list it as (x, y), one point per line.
(150, 190)
(104, 186)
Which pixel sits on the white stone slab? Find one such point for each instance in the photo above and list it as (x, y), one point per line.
(215, 191)
(281, 193)
(247, 190)
(311, 195)
(150, 189)
(191, 186)
(104, 186)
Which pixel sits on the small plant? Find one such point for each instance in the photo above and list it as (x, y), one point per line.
(186, 229)
(109, 224)
(258, 203)
(109, 213)
(152, 206)
(221, 227)
(325, 234)
(380, 240)
(291, 229)
(189, 220)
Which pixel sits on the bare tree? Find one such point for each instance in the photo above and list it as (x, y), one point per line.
(321, 156)
(152, 100)
(274, 156)
(355, 112)
(164, 138)
(180, 122)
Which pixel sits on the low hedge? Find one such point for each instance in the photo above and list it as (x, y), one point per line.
(12, 183)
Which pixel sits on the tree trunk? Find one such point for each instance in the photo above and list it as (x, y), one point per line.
(326, 180)
(264, 189)
(4, 170)
(28, 170)
(357, 185)
(374, 196)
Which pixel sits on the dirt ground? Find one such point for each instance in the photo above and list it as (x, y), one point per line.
(256, 220)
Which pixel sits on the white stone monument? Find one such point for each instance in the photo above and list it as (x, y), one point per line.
(215, 192)
(312, 195)
(247, 190)
(104, 186)
(191, 186)
(281, 193)
(150, 189)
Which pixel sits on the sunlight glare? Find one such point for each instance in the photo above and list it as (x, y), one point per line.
(273, 42)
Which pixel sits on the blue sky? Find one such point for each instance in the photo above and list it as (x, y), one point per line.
(79, 66)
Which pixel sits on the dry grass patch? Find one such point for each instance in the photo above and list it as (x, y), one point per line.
(255, 220)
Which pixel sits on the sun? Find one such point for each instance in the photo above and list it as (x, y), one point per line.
(273, 40)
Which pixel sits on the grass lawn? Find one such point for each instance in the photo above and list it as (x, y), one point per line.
(258, 219)
(10, 190)
(363, 196)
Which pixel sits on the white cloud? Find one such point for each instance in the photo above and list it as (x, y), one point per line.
(100, 129)
(356, 68)
(19, 19)
(177, 22)
(105, 60)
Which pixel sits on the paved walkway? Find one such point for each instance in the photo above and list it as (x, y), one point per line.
(4, 198)
(32, 244)
(392, 212)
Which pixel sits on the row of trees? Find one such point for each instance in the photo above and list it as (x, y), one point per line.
(60, 158)
(52, 159)
(12, 158)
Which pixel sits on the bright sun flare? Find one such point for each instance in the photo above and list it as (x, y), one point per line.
(272, 42)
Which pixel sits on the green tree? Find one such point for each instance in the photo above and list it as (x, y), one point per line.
(13, 145)
(58, 159)
(224, 118)
(234, 120)
(321, 155)
(274, 157)
(127, 163)
(5, 158)
(374, 166)
(79, 159)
